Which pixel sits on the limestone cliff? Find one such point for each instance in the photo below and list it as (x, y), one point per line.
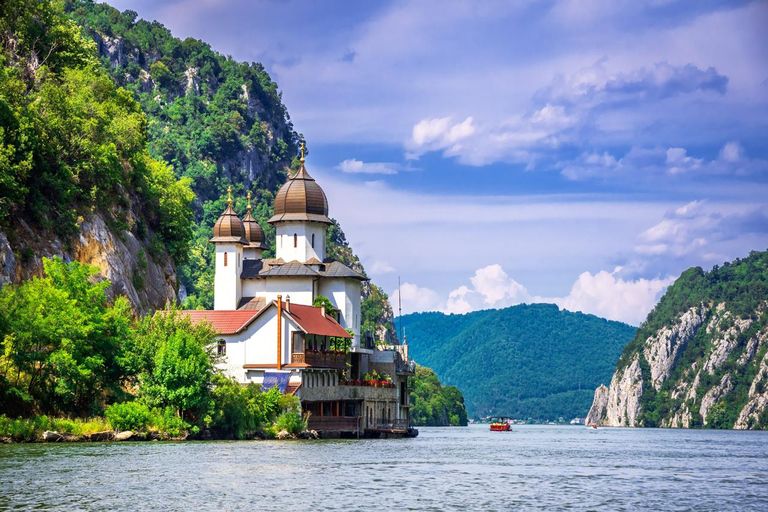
(701, 357)
(145, 276)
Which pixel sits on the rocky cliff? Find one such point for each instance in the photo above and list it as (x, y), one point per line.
(145, 276)
(701, 358)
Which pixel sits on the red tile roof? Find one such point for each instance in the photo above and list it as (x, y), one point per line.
(313, 322)
(223, 322)
(309, 318)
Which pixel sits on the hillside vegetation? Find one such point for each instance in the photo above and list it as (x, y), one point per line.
(699, 359)
(526, 361)
(433, 404)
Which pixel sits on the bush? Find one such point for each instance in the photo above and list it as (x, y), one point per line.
(129, 416)
(168, 422)
(292, 422)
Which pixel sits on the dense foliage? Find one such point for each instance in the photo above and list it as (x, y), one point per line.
(527, 361)
(742, 285)
(433, 404)
(66, 350)
(71, 141)
(216, 121)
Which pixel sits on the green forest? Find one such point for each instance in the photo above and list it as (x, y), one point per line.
(527, 362)
(70, 352)
(742, 285)
(433, 404)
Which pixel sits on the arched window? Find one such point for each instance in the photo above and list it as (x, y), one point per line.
(225, 259)
(313, 240)
(221, 349)
(295, 240)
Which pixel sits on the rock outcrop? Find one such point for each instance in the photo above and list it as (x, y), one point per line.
(690, 366)
(599, 405)
(148, 280)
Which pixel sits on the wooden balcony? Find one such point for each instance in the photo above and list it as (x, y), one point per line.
(340, 423)
(336, 361)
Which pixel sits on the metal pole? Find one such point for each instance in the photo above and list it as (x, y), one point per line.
(400, 308)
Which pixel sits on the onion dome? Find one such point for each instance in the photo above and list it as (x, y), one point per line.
(301, 199)
(254, 235)
(229, 227)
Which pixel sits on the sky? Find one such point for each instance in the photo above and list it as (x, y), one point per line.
(581, 152)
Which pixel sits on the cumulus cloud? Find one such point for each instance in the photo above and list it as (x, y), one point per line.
(607, 295)
(696, 228)
(515, 139)
(416, 298)
(604, 294)
(678, 161)
(353, 165)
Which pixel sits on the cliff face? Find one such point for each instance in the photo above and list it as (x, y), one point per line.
(706, 367)
(147, 280)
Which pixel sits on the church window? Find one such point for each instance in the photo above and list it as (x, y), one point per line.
(238, 261)
(295, 240)
(225, 259)
(313, 240)
(221, 349)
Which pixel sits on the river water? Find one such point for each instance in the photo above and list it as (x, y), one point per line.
(533, 467)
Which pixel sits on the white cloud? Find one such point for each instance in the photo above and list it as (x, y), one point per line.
(416, 298)
(678, 161)
(437, 134)
(603, 293)
(381, 267)
(732, 152)
(607, 295)
(353, 165)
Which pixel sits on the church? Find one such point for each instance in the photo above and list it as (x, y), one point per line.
(271, 334)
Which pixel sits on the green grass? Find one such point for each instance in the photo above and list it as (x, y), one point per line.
(31, 429)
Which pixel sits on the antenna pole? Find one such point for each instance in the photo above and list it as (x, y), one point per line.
(400, 308)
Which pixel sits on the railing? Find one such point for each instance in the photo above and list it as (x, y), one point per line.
(392, 425)
(344, 423)
(403, 366)
(337, 361)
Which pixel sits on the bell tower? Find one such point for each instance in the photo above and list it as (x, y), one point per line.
(228, 237)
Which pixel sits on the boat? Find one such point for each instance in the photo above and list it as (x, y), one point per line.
(501, 424)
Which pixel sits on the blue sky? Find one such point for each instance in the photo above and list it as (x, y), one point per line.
(582, 152)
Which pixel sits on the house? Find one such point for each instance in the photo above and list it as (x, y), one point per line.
(272, 335)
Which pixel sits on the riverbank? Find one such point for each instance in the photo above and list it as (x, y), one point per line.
(45, 429)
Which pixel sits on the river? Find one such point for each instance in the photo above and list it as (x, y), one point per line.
(533, 467)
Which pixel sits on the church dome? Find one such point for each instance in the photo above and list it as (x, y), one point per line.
(254, 235)
(301, 199)
(229, 227)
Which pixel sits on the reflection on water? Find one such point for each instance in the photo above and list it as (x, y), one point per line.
(533, 467)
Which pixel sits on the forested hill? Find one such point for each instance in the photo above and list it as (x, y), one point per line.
(526, 361)
(76, 177)
(218, 122)
(699, 359)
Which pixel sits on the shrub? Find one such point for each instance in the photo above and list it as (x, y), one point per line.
(128, 416)
(168, 422)
(292, 422)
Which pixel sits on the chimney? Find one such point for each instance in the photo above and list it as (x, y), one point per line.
(288, 303)
(322, 311)
(279, 330)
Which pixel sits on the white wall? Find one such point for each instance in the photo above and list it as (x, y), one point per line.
(299, 288)
(227, 287)
(257, 345)
(284, 246)
(344, 293)
(251, 253)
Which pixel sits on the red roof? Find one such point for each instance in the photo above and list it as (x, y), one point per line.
(223, 322)
(309, 318)
(312, 321)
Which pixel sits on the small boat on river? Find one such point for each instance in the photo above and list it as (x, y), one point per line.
(501, 424)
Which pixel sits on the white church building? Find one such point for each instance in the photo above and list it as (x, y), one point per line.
(271, 334)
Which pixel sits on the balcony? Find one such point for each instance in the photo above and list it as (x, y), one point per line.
(320, 360)
(341, 423)
(404, 367)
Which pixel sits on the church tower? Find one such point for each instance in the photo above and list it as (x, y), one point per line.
(229, 239)
(300, 219)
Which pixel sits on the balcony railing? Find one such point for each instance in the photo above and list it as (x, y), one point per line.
(342, 423)
(403, 366)
(337, 361)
